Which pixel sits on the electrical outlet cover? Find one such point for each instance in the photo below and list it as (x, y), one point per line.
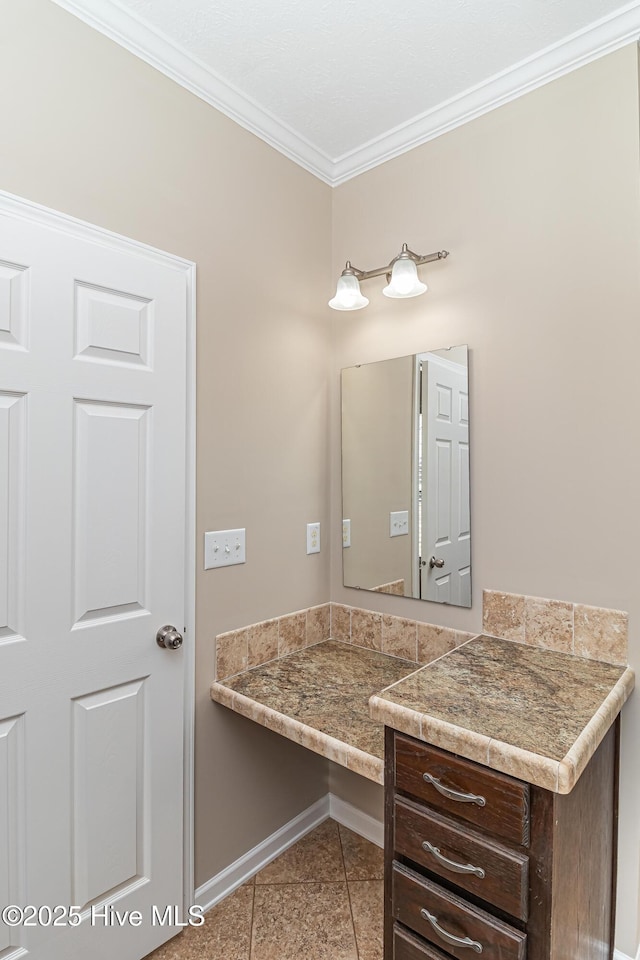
(346, 533)
(313, 537)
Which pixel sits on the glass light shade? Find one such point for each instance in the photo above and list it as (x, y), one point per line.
(404, 280)
(348, 296)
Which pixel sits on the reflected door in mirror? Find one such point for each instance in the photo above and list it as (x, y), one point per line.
(445, 535)
(405, 476)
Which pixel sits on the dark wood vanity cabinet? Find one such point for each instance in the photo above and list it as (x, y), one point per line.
(478, 863)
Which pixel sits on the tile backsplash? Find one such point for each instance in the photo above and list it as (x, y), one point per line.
(592, 632)
(258, 643)
(397, 636)
(596, 633)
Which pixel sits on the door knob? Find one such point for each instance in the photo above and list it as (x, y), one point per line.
(436, 562)
(169, 637)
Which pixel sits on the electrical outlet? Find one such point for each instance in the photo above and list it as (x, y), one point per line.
(398, 523)
(346, 533)
(313, 537)
(224, 548)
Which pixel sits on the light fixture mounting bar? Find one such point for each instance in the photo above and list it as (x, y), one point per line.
(408, 254)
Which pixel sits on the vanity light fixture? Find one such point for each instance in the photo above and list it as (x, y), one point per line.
(401, 274)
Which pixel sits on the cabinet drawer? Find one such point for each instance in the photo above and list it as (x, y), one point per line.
(450, 923)
(491, 800)
(483, 867)
(408, 947)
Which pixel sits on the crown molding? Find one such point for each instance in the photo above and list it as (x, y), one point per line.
(600, 38)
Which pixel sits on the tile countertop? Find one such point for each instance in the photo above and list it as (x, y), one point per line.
(319, 698)
(535, 714)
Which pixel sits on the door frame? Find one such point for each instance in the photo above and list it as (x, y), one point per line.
(24, 209)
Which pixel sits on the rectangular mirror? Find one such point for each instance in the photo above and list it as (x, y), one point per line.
(405, 476)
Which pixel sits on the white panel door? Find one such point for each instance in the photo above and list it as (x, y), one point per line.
(446, 533)
(92, 563)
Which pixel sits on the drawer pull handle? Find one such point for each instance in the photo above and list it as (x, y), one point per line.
(449, 937)
(453, 794)
(451, 864)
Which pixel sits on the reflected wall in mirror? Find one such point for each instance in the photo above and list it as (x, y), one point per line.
(405, 476)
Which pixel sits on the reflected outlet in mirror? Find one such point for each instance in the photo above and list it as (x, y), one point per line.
(405, 476)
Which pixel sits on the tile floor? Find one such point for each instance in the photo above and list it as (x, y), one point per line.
(320, 900)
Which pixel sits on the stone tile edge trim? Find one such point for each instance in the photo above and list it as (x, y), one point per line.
(394, 715)
(238, 650)
(588, 741)
(595, 633)
(342, 753)
(504, 757)
(530, 767)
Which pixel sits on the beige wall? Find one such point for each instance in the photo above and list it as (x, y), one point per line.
(377, 444)
(538, 203)
(347, 785)
(90, 130)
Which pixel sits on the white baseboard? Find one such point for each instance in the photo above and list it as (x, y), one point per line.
(242, 869)
(619, 955)
(353, 818)
(259, 856)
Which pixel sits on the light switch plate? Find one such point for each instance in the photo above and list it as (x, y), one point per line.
(346, 533)
(398, 523)
(224, 548)
(313, 537)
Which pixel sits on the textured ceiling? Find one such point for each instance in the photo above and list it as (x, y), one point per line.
(343, 72)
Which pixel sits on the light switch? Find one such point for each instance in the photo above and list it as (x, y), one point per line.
(313, 538)
(346, 533)
(224, 548)
(398, 523)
